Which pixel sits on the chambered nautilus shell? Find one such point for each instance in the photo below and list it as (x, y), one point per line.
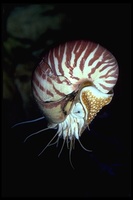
(72, 83)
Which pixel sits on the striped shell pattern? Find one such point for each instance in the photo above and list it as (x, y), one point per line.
(72, 83)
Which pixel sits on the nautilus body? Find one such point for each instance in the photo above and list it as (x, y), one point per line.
(72, 83)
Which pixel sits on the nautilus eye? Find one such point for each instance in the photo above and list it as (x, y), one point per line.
(72, 83)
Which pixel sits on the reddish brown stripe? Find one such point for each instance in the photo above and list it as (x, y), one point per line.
(76, 78)
(78, 54)
(50, 57)
(58, 92)
(49, 93)
(110, 81)
(45, 67)
(43, 76)
(106, 66)
(67, 63)
(92, 71)
(35, 81)
(106, 88)
(51, 66)
(62, 81)
(70, 71)
(36, 94)
(107, 73)
(49, 80)
(51, 105)
(96, 54)
(109, 56)
(68, 55)
(59, 56)
(78, 43)
(81, 65)
(39, 71)
(41, 88)
(115, 74)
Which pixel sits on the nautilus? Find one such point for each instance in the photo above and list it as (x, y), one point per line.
(71, 84)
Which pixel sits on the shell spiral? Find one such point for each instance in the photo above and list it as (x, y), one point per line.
(72, 83)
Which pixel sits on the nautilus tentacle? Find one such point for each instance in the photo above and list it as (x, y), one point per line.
(72, 83)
